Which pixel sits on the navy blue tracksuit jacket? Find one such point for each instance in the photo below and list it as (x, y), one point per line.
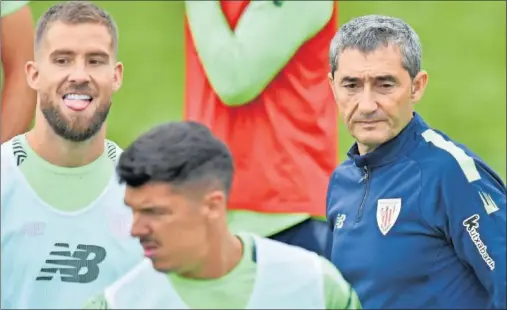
(420, 223)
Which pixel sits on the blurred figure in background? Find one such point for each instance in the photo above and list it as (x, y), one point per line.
(18, 99)
(256, 75)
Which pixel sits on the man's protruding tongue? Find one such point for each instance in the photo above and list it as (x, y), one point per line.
(77, 102)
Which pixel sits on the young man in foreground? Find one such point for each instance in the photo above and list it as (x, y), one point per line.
(178, 179)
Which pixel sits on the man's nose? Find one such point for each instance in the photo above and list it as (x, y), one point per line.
(367, 104)
(79, 75)
(139, 227)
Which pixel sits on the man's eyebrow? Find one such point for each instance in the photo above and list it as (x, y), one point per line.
(99, 54)
(349, 79)
(380, 78)
(386, 78)
(61, 52)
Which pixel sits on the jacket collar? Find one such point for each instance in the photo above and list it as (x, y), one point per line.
(392, 149)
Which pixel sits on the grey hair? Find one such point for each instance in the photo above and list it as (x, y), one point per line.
(367, 33)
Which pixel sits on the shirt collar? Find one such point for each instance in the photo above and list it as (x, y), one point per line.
(392, 149)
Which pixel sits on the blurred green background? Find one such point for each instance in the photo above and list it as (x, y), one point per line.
(464, 45)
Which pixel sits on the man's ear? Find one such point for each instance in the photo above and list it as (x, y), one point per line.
(32, 75)
(331, 84)
(215, 204)
(118, 76)
(419, 86)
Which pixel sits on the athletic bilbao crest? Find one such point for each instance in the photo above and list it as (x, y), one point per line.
(387, 213)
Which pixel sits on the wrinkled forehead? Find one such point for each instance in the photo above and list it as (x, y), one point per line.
(381, 62)
(78, 39)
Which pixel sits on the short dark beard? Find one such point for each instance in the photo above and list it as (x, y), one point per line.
(62, 128)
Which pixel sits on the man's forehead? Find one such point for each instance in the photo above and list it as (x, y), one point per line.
(84, 36)
(383, 61)
(58, 29)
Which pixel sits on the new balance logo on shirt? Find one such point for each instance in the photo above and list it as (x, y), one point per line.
(340, 220)
(81, 266)
(111, 150)
(19, 152)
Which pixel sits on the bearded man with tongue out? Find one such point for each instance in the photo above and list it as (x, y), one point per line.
(65, 229)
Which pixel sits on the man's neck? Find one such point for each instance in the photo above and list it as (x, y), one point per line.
(221, 260)
(364, 149)
(60, 152)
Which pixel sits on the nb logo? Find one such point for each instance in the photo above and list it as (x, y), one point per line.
(82, 266)
(340, 220)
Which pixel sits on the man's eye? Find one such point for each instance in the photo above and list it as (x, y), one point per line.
(152, 212)
(350, 86)
(386, 85)
(61, 61)
(96, 62)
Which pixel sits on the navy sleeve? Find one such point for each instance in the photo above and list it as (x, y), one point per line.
(475, 206)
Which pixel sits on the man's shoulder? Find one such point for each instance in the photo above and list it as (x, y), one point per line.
(276, 252)
(338, 293)
(12, 155)
(332, 276)
(6, 149)
(8, 170)
(137, 275)
(113, 150)
(439, 155)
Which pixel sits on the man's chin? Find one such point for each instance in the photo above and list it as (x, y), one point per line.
(161, 267)
(76, 128)
(76, 133)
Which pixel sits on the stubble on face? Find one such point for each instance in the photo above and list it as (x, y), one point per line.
(75, 128)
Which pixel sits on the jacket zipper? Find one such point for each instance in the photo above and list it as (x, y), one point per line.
(366, 178)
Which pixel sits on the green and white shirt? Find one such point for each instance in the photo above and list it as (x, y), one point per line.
(235, 289)
(65, 231)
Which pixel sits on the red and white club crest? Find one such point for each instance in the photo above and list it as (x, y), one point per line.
(387, 213)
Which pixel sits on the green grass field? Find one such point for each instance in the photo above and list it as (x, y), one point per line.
(464, 52)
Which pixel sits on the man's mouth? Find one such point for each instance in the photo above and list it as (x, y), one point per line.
(368, 122)
(77, 102)
(149, 250)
